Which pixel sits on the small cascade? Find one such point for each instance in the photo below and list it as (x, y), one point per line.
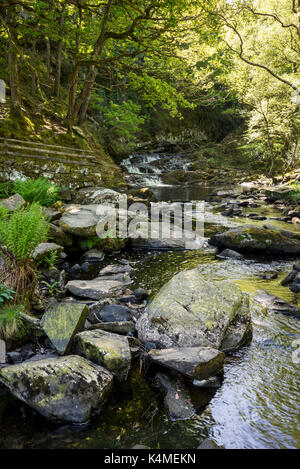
(146, 169)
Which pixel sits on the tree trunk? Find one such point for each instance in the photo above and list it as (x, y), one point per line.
(34, 80)
(58, 61)
(13, 64)
(81, 103)
(48, 61)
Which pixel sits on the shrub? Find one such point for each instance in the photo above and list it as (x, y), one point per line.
(295, 192)
(20, 234)
(37, 190)
(11, 323)
(5, 190)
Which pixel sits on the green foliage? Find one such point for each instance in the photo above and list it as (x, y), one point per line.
(11, 323)
(23, 231)
(52, 259)
(5, 190)
(123, 120)
(6, 293)
(295, 192)
(37, 190)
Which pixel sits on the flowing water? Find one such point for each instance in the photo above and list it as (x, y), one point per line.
(257, 405)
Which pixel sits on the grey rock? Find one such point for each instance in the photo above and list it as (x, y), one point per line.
(276, 305)
(190, 311)
(96, 289)
(230, 254)
(69, 389)
(258, 238)
(112, 313)
(43, 250)
(109, 350)
(177, 399)
(13, 203)
(193, 362)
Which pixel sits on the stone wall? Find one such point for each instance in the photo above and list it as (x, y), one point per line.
(73, 176)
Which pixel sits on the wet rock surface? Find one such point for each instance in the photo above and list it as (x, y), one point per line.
(193, 362)
(192, 311)
(109, 350)
(69, 389)
(177, 399)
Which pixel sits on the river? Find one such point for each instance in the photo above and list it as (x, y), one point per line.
(257, 405)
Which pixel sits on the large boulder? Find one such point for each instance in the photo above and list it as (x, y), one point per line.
(258, 238)
(69, 389)
(109, 350)
(193, 362)
(99, 195)
(190, 311)
(61, 322)
(80, 220)
(96, 289)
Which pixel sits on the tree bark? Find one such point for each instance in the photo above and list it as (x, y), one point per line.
(82, 101)
(15, 92)
(48, 61)
(58, 61)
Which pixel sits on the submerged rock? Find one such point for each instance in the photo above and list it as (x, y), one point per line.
(69, 389)
(109, 350)
(191, 311)
(209, 444)
(276, 305)
(258, 238)
(62, 321)
(193, 362)
(229, 254)
(177, 399)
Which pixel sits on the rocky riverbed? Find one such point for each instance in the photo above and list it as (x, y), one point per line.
(147, 343)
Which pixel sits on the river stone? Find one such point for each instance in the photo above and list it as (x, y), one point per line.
(229, 254)
(99, 195)
(258, 238)
(191, 311)
(109, 350)
(118, 327)
(193, 362)
(93, 256)
(80, 220)
(62, 321)
(69, 389)
(177, 399)
(45, 249)
(112, 313)
(96, 289)
(276, 305)
(13, 203)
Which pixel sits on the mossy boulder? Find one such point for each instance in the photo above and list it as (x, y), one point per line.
(109, 350)
(265, 238)
(61, 322)
(69, 389)
(191, 311)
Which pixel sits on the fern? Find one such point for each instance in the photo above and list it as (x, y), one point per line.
(23, 231)
(6, 293)
(37, 190)
(11, 323)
